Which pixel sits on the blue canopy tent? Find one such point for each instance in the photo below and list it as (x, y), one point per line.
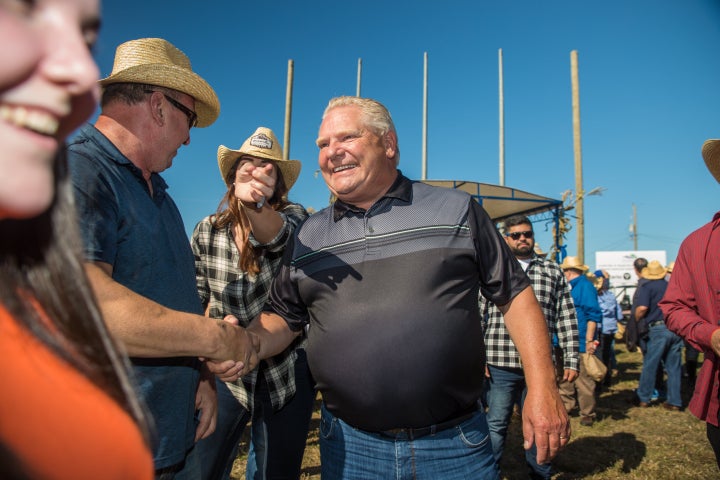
(501, 202)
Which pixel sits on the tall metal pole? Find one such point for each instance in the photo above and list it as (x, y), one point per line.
(634, 228)
(501, 96)
(425, 118)
(579, 193)
(359, 77)
(288, 110)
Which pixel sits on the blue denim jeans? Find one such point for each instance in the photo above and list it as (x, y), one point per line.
(666, 347)
(189, 469)
(505, 388)
(458, 453)
(219, 450)
(277, 438)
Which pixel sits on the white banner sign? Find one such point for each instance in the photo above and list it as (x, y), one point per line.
(619, 264)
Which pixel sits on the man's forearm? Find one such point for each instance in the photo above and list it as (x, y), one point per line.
(147, 329)
(640, 312)
(528, 330)
(591, 329)
(272, 334)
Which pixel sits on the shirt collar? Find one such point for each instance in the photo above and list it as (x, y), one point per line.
(105, 146)
(401, 189)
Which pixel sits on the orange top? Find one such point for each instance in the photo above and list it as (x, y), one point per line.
(57, 423)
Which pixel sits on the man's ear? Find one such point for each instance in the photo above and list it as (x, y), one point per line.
(390, 144)
(156, 107)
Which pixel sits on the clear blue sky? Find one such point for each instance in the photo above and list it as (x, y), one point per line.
(649, 96)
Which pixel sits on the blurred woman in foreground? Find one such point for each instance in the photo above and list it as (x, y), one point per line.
(68, 406)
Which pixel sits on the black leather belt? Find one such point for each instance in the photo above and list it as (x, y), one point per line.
(413, 433)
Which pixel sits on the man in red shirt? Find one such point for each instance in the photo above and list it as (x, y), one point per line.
(692, 310)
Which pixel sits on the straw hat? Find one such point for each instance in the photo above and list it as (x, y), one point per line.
(711, 155)
(670, 267)
(574, 263)
(539, 252)
(654, 271)
(261, 144)
(155, 61)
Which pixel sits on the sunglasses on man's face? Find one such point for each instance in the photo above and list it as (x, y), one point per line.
(517, 235)
(191, 116)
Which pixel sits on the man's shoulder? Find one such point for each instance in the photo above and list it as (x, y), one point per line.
(90, 146)
(424, 195)
(319, 224)
(546, 266)
(700, 236)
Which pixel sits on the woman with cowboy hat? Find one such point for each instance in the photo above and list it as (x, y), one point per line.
(237, 253)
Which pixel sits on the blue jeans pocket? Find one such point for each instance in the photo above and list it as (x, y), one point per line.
(475, 433)
(328, 423)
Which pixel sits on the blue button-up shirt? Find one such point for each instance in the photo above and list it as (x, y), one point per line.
(143, 238)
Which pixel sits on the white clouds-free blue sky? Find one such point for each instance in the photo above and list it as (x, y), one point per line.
(649, 95)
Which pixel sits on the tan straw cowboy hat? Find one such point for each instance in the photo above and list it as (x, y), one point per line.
(155, 61)
(711, 155)
(654, 271)
(261, 144)
(574, 263)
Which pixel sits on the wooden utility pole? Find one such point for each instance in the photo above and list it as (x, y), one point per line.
(579, 193)
(501, 96)
(425, 118)
(288, 110)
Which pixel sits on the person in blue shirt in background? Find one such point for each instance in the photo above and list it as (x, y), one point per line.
(589, 316)
(611, 313)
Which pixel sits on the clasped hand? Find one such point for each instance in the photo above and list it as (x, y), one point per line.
(243, 347)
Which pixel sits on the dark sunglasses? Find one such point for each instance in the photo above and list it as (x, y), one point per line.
(517, 235)
(192, 116)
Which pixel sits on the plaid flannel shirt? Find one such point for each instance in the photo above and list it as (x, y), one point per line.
(228, 291)
(553, 294)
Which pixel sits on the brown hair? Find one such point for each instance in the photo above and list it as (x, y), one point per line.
(44, 286)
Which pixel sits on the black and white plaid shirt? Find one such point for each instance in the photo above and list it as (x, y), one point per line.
(553, 294)
(229, 291)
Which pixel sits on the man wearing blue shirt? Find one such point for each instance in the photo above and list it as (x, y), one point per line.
(589, 315)
(664, 348)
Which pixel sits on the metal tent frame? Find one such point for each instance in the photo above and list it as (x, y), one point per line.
(501, 202)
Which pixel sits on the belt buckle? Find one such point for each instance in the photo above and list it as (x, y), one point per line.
(410, 433)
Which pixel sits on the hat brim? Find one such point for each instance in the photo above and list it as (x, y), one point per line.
(711, 155)
(177, 78)
(656, 276)
(290, 169)
(582, 268)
